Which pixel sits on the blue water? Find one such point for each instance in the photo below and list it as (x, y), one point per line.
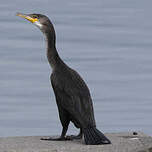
(108, 42)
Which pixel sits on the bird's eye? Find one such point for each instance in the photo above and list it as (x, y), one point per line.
(35, 16)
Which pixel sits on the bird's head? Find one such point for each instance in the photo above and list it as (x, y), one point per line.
(41, 21)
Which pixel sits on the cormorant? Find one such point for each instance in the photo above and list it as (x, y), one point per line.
(72, 94)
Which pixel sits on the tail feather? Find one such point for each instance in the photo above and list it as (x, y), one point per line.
(93, 136)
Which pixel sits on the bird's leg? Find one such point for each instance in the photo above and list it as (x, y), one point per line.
(61, 138)
(79, 136)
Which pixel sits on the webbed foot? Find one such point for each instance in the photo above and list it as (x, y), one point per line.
(55, 139)
(72, 137)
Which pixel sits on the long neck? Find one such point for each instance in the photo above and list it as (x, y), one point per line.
(52, 54)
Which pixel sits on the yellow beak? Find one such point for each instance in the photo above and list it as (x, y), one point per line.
(32, 20)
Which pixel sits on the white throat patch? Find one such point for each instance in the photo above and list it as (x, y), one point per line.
(38, 24)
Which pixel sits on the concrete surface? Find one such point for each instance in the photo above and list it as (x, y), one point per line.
(121, 142)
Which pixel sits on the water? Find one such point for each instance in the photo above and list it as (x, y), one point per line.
(108, 42)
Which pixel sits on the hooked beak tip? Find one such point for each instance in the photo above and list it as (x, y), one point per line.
(21, 15)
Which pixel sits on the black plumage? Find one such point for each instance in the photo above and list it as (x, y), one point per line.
(72, 94)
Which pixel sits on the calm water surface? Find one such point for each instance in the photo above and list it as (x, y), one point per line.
(108, 42)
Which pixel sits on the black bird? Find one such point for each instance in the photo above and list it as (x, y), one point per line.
(72, 94)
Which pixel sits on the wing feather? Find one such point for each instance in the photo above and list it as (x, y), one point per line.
(74, 96)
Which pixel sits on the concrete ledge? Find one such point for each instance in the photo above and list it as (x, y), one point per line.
(121, 142)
